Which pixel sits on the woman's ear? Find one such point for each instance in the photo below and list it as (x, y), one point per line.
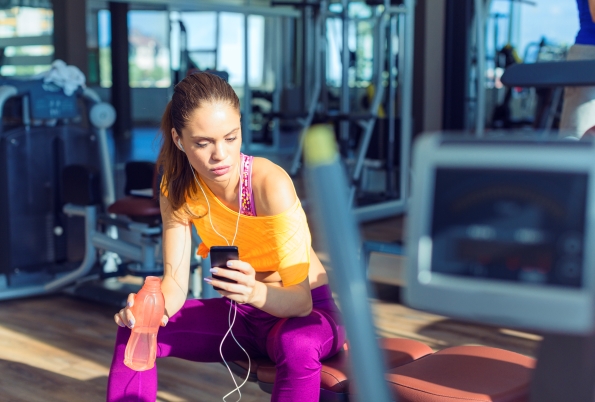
(177, 139)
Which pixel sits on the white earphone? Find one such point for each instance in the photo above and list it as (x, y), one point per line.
(181, 147)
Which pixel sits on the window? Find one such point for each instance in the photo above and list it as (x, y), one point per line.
(553, 20)
(26, 36)
(360, 42)
(214, 40)
(105, 52)
(201, 31)
(231, 47)
(525, 24)
(148, 58)
(148, 37)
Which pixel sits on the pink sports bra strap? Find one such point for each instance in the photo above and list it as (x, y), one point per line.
(246, 193)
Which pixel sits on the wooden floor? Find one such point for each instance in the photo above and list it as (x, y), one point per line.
(58, 349)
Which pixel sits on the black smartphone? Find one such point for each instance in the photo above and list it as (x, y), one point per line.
(219, 257)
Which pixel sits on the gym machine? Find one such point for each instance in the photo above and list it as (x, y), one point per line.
(63, 226)
(505, 245)
(42, 131)
(556, 75)
(508, 245)
(392, 21)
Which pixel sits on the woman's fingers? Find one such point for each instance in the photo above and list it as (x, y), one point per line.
(243, 276)
(230, 288)
(124, 318)
(227, 273)
(234, 275)
(118, 320)
(241, 266)
(129, 318)
(130, 300)
(164, 320)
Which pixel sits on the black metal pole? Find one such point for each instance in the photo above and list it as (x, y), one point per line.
(120, 70)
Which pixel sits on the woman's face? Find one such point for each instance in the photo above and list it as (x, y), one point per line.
(212, 140)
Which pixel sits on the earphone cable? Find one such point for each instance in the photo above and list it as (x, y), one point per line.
(233, 304)
(209, 209)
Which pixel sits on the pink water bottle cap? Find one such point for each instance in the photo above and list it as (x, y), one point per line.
(152, 283)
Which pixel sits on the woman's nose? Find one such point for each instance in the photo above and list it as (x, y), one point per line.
(219, 152)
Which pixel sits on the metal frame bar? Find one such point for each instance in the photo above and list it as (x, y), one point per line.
(192, 5)
(27, 41)
(278, 69)
(392, 93)
(107, 173)
(369, 124)
(217, 37)
(407, 100)
(344, 106)
(394, 207)
(307, 121)
(480, 67)
(27, 60)
(327, 182)
(247, 97)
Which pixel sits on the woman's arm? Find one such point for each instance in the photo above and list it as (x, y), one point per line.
(176, 267)
(274, 193)
(290, 301)
(177, 246)
(592, 9)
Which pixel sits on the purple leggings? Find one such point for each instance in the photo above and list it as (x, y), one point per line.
(194, 333)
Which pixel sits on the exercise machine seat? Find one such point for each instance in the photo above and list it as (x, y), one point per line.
(334, 378)
(135, 206)
(140, 175)
(464, 373)
(240, 367)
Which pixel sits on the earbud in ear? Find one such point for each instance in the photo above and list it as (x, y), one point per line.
(180, 144)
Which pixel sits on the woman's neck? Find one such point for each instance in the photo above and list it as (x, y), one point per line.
(227, 191)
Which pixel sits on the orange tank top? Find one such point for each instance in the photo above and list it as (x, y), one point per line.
(279, 243)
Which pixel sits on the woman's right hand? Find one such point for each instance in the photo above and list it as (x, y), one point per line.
(124, 317)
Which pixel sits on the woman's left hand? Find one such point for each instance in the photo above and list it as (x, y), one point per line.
(241, 272)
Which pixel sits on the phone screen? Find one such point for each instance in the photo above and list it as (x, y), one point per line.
(219, 257)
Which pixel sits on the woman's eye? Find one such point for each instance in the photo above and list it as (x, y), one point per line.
(231, 139)
(202, 144)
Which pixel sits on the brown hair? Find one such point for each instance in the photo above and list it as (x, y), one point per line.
(189, 94)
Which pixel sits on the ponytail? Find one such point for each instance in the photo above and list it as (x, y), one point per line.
(178, 183)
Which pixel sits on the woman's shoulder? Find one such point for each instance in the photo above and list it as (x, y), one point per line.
(273, 188)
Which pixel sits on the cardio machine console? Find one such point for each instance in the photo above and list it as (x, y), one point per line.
(499, 230)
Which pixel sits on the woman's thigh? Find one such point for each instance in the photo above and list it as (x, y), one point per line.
(318, 336)
(197, 330)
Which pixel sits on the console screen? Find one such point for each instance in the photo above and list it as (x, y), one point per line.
(522, 226)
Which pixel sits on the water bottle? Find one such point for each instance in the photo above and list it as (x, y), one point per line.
(148, 309)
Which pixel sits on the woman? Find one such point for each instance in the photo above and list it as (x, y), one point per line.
(251, 203)
(578, 111)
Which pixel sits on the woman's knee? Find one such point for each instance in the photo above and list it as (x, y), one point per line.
(299, 338)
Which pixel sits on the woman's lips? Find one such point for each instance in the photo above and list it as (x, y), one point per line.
(220, 171)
